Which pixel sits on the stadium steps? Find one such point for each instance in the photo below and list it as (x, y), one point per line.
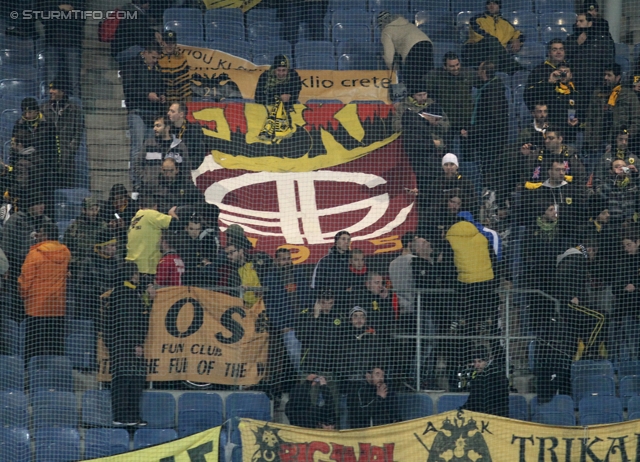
(105, 118)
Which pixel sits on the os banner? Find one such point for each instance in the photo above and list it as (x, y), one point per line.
(452, 436)
(202, 336)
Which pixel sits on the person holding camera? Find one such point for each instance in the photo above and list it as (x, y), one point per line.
(618, 192)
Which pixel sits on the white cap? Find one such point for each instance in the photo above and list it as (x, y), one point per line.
(450, 158)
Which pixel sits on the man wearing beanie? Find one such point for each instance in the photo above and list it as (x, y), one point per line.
(81, 235)
(35, 131)
(492, 38)
(68, 121)
(398, 35)
(450, 181)
(278, 89)
(489, 387)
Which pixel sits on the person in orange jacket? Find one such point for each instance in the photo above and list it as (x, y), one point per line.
(43, 283)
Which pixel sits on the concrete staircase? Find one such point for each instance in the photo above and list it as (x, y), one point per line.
(105, 118)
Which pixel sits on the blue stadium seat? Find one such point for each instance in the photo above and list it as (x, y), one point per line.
(239, 48)
(524, 6)
(14, 332)
(75, 326)
(13, 409)
(467, 5)
(198, 412)
(255, 15)
(8, 119)
(57, 444)
(351, 33)
(562, 403)
(519, 78)
(558, 19)
(151, 436)
(14, 445)
(463, 19)
(630, 367)
(96, 408)
(526, 22)
(18, 88)
(265, 50)
(102, 442)
(451, 402)
(6, 158)
(224, 15)
(592, 367)
(430, 5)
(248, 405)
(531, 55)
(587, 385)
(595, 410)
(158, 409)
(11, 373)
(260, 30)
(414, 405)
(68, 203)
(636, 52)
(622, 49)
(518, 408)
(18, 56)
(218, 31)
(629, 387)
(15, 71)
(392, 6)
(549, 33)
(624, 64)
(185, 22)
(359, 56)
(50, 373)
(437, 25)
(633, 408)
(315, 55)
(351, 17)
(80, 348)
(552, 6)
(54, 409)
(551, 417)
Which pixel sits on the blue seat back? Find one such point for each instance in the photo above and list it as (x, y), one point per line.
(11, 373)
(96, 408)
(13, 409)
(450, 402)
(185, 22)
(158, 409)
(554, 418)
(631, 367)
(592, 367)
(467, 5)
(50, 372)
(260, 30)
(102, 442)
(562, 403)
(239, 48)
(414, 405)
(552, 6)
(18, 88)
(198, 412)
(531, 55)
(629, 387)
(151, 436)
(359, 56)
(57, 444)
(248, 405)
(595, 410)
(518, 407)
(15, 445)
(264, 51)
(587, 385)
(54, 409)
(429, 5)
(521, 6)
(255, 15)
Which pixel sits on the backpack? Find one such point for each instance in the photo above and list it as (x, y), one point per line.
(107, 27)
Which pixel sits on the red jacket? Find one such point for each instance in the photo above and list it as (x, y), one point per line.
(43, 281)
(170, 270)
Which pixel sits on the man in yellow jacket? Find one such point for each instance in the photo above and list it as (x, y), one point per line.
(492, 38)
(43, 286)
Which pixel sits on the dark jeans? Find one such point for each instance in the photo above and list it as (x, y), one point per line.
(126, 394)
(43, 336)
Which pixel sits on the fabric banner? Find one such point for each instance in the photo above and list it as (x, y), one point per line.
(452, 436)
(203, 336)
(342, 168)
(200, 447)
(223, 75)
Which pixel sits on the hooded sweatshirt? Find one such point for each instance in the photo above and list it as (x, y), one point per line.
(43, 281)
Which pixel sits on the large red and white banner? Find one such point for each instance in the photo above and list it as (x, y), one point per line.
(342, 169)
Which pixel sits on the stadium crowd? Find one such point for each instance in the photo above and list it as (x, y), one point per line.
(554, 209)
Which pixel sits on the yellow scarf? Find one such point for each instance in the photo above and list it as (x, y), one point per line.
(613, 97)
(565, 89)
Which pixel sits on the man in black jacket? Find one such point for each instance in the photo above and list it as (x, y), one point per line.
(372, 403)
(126, 324)
(278, 89)
(539, 77)
(144, 96)
(489, 387)
(191, 134)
